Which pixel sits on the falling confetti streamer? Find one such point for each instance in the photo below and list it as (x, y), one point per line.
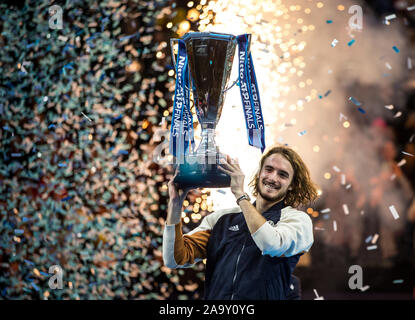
(394, 212)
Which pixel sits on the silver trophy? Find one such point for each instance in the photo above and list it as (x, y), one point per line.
(210, 57)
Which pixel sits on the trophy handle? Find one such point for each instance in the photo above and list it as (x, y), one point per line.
(172, 51)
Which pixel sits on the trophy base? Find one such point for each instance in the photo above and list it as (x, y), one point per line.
(202, 176)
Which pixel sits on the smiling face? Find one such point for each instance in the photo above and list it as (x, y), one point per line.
(275, 178)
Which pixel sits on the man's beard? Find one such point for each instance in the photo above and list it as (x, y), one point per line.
(277, 198)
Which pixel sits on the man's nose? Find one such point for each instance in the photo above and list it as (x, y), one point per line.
(273, 177)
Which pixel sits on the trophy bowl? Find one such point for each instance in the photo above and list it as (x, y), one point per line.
(210, 57)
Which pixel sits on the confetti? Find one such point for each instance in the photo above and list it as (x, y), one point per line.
(397, 281)
(409, 63)
(342, 117)
(34, 286)
(370, 248)
(357, 103)
(345, 209)
(334, 225)
(390, 17)
(334, 42)
(395, 49)
(410, 8)
(394, 212)
(401, 163)
(302, 133)
(389, 107)
(388, 66)
(86, 116)
(375, 238)
(325, 210)
(335, 168)
(329, 21)
(368, 239)
(351, 42)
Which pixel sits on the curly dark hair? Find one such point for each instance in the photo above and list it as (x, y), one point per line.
(304, 190)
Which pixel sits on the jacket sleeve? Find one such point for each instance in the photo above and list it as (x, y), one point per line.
(182, 251)
(293, 234)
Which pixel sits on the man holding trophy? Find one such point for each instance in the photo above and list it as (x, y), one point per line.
(251, 249)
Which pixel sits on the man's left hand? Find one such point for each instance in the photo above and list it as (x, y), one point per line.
(231, 167)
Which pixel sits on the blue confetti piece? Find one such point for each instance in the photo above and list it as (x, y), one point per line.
(90, 38)
(361, 110)
(67, 198)
(51, 126)
(62, 164)
(122, 152)
(320, 96)
(222, 191)
(34, 286)
(129, 37)
(44, 274)
(351, 42)
(357, 103)
(25, 219)
(16, 155)
(395, 48)
(67, 47)
(302, 133)
(29, 262)
(327, 93)
(329, 21)
(18, 232)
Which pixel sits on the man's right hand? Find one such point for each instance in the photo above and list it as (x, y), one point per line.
(176, 194)
(177, 197)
